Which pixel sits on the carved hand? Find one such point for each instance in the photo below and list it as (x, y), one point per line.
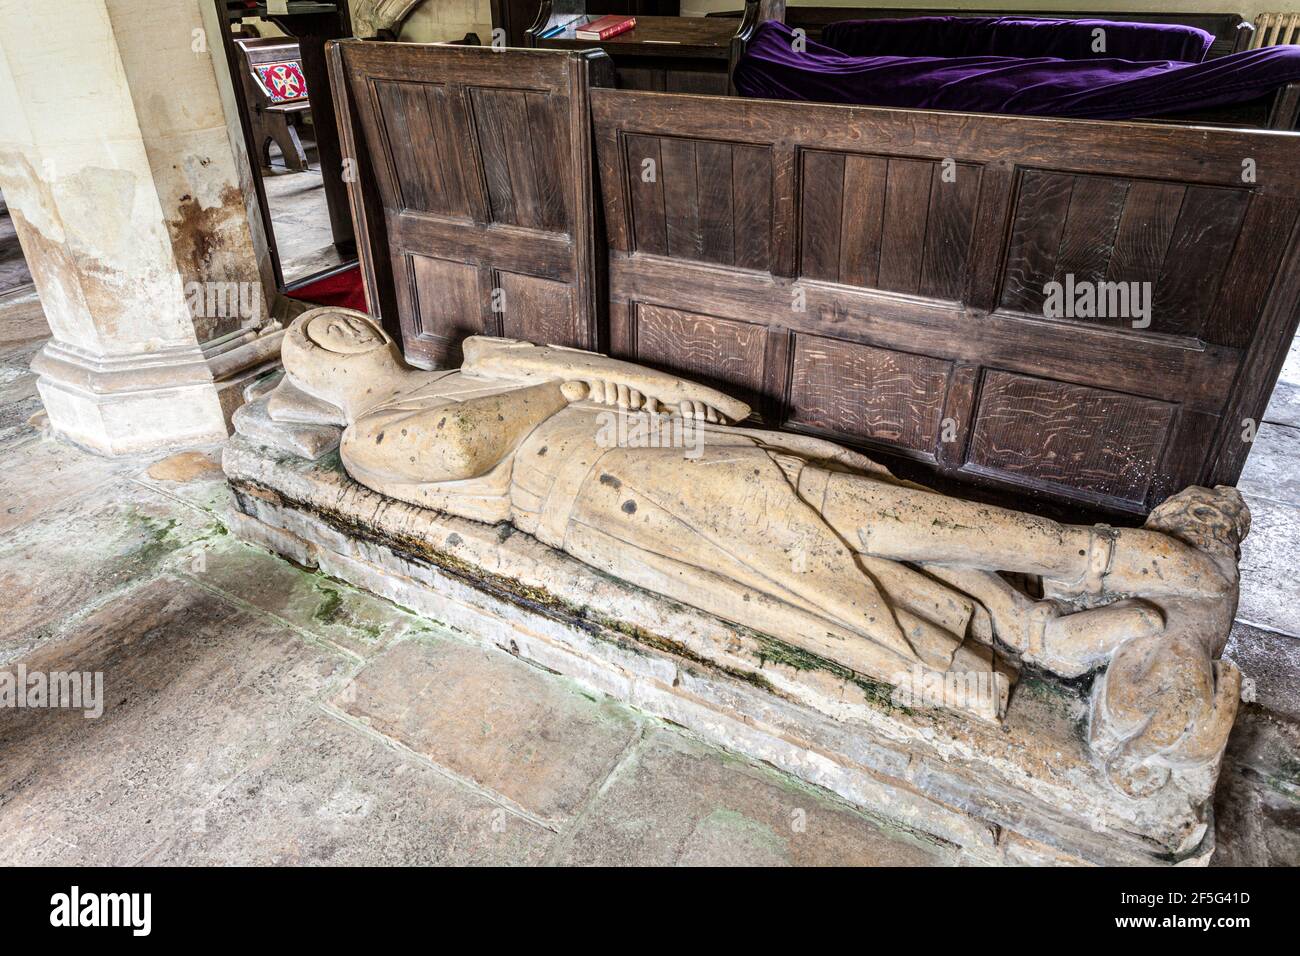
(606, 380)
(628, 397)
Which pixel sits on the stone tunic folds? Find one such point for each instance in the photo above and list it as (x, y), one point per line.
(684, 518)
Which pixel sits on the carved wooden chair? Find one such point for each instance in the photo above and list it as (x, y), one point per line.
(276, 92)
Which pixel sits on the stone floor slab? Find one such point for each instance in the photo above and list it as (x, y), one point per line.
(487, 717)
(24, 328)
(202, 489)
(1271, 469)
(307, 600)
(16, 421)
(676, 801)
(113, 537)
(331, 794)
(1291, 367)
(1257, 805)
(195, 691)
(17, 383)
(40, 476)
(1284, 406)
(1270, 586)
(1272, 663)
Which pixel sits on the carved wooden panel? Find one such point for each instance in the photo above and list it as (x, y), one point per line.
(897, 295)
(1086, 229)
(1031, 430)
(868, 395)
(447, 306)
(421, 121)
(524, 142)
(706, 201)
(536, 310)
(481, 157)
(726, 354)
(902, 225)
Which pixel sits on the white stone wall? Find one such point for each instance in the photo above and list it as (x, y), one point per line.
(169, 68)
(119, 172)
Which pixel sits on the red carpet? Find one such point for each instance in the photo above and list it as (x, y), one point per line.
(343, 288)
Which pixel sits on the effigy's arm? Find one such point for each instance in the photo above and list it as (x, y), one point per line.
(604, 379)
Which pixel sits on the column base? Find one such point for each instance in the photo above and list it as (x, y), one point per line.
(131, 404)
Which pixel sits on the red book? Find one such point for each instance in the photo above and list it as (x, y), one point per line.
(605, 27)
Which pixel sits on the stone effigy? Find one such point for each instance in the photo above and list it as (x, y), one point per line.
(646, 477)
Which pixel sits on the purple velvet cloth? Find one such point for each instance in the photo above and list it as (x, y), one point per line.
(1041, 86)
(1019, 37)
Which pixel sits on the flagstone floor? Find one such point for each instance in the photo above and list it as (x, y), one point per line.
(258, 713)
(300, 216)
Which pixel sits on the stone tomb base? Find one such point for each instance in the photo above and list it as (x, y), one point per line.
(1026, 791)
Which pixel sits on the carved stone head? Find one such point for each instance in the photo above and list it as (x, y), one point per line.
(1215, 521)
(342, 357)
(346, 333)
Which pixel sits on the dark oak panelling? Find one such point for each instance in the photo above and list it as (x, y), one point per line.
(901, 225)
(537, 310)
(418, 116)
(1145, 228)
(719, 352)
(483, 167)
(817, 261)
(1210, 221)
(1089, 439)
(447, 306)
(901, 309)
(1040, 215)
(706, 201)
(1177, 237)
(870, 395)
(522, 141)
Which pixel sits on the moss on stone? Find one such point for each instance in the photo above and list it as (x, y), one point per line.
(538, 599)
(160, 538)
(328, 610)
(877, 693)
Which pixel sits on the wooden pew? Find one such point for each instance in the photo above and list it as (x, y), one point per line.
(277, 95)
(474, 192)
(1232, 34)
(1231, 31)
(879, 277)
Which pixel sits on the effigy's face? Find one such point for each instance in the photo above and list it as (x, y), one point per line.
(344, 334)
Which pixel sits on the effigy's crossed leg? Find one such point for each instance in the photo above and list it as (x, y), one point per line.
(1114, 580)
(1155, 604)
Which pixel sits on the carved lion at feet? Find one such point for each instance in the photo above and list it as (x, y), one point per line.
(1165, 705)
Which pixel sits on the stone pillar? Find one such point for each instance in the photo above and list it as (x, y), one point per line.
(124, 189)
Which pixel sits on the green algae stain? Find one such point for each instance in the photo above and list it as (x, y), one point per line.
(738, 826)
(330, 607)
(877, 693)
(159, 539)
(335, 611)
